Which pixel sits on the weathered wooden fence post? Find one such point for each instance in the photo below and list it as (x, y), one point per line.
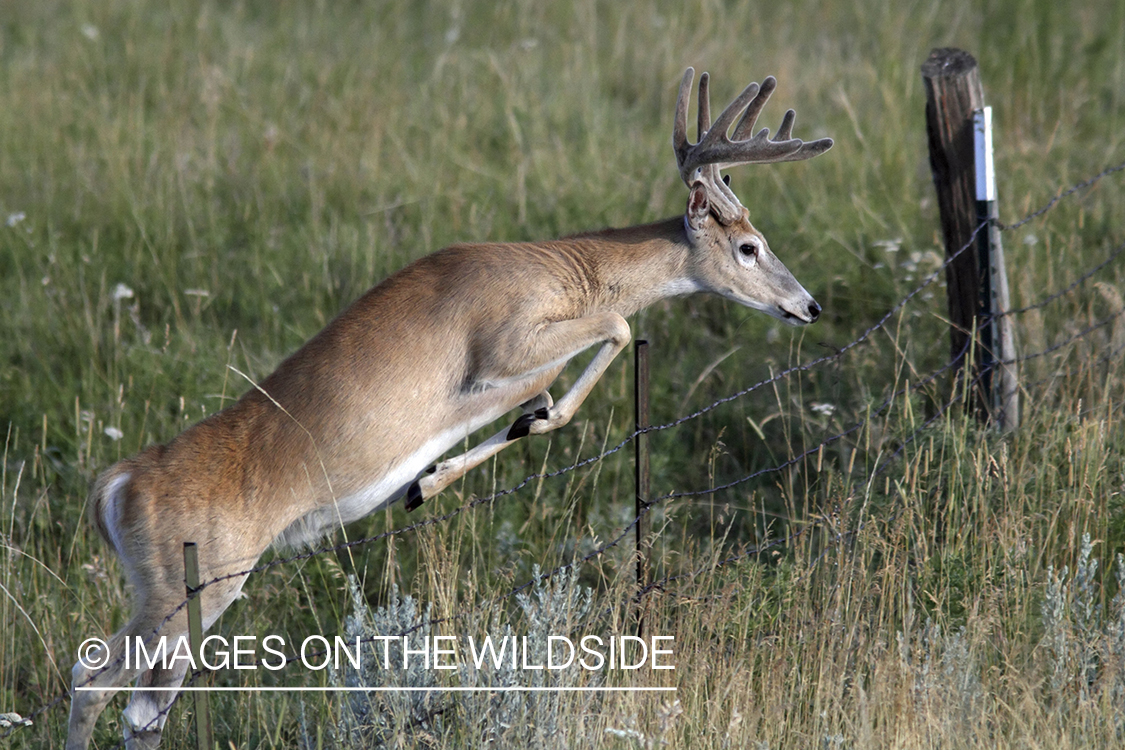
(203, 737)
(976, 281)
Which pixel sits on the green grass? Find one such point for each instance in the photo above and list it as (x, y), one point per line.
(247, 169)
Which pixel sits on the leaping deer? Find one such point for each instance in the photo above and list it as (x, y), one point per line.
(351, 421)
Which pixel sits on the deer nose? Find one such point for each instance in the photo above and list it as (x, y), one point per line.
(814, 311)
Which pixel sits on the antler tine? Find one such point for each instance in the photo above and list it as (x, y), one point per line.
(785, 132)
(704, 120)
(715, 139)
(679, 125)
(743, 130)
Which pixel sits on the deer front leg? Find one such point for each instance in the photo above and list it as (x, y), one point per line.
(556, 344)
(613, 333)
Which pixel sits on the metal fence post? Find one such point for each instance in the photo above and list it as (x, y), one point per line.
(641, 466)
(999, 377)
(202, 704)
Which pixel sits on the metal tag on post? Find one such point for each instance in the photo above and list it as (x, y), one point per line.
(986, 204)
(997, 367)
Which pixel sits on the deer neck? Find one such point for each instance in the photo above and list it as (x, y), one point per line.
(631, 268)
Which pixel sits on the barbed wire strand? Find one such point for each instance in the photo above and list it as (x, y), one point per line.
(886, 463)
(1114, 254)
(1065, 194)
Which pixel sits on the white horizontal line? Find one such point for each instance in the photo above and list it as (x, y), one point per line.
(510, 689)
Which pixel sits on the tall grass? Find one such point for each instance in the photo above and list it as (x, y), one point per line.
(191, 187)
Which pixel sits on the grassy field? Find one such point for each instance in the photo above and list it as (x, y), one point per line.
(188, 189)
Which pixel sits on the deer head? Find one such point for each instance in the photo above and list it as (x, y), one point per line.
(732, 258)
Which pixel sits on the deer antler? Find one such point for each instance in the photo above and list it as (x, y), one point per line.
(701, 161)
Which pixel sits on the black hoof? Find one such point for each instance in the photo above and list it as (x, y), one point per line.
(413, 497)
(522, 426)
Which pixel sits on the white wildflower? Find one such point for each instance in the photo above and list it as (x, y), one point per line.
(12, 719)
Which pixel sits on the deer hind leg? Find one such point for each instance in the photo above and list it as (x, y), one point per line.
(556, 345)
(93, 687)
(147, 711)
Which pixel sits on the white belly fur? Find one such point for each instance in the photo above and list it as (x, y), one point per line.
(382, 491)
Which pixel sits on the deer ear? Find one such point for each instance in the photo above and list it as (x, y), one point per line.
(698, 207)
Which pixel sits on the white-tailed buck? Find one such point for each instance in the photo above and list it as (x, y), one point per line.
(356, 418)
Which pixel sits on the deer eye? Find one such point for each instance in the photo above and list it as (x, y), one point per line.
(748, 249)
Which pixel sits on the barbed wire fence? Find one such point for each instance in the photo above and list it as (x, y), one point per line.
(664, 582)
